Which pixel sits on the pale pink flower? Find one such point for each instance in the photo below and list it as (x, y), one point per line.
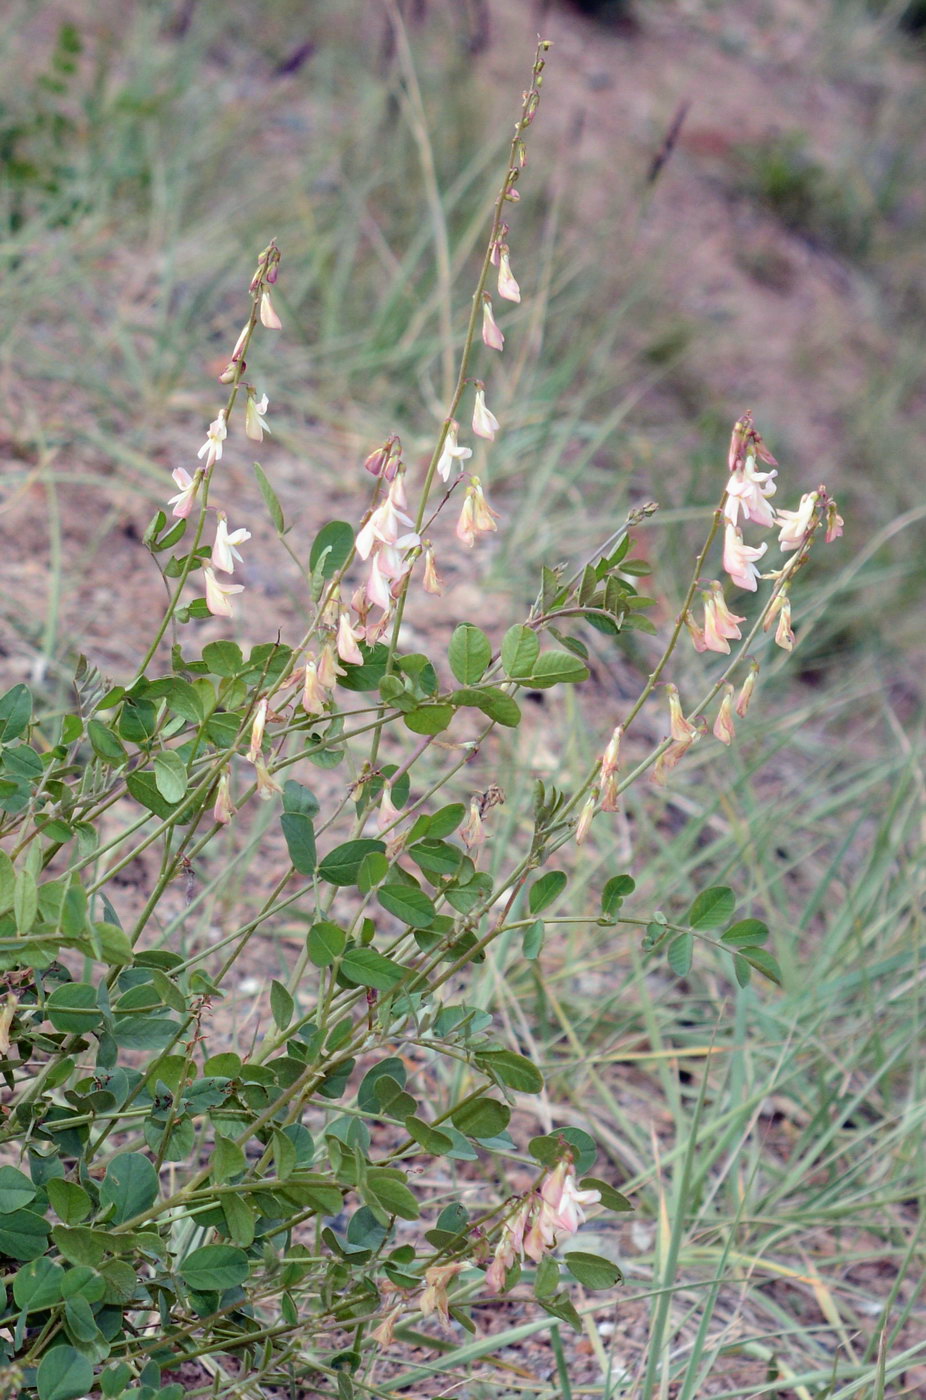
(491, 334)
(268, 315)
(507, 286)
(328, 667)
(348, 637)
(720, 624)
(314, 694)
(696, 633)
(388, 812)
(223, 811)
(383, 527)
(189, 487)
(219, 593)
(257, 730)
(224, 552)
(451, 452)
(670, 758)
(795, 523)
(212, 447)
(724, 727)
(747, 491)
(434, 1298)
(376, 588)
(255, 424)
(560, 1193)
(681, 729)
(739, 558)
(485, 423)
(240, 342)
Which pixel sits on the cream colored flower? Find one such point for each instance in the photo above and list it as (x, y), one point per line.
(491, 334)
(795, 523)
(211, 449)
(189, 488)
(451, 452)
(507, 286)
(255, 424)
(747, 493)
(224, 552)
(739, 558)
(485, 423)
(219, 594)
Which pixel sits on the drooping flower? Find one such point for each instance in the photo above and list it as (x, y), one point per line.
(432, 582)
(724, 726)
(795, 523)
(268, 315)
(834, 522)
(485, 423)
(189, 489)
(348, 638)
(739, 558)
(224, 552)
(607, 777)
(586, 817)
(560, 1193)
(491, 334)
(385, 523)
(720, 624)
(376, 588)
(681, 729)
(476, 515)
(255, 424)
(696, 633)
(267, 785)
(451, 451)
(314, 694)
(219, 594)
(784, 637)
(211, 449)
(507, 286)
(223, 811)
(745, 695)
(748, 491)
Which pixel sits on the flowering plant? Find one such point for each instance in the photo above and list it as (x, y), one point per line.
(175, 1199)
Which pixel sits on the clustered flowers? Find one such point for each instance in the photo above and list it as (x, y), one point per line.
(540, 1222)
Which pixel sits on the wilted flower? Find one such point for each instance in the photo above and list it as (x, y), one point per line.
(834, 522)
(696, 633)
(747, 491)
(267, 785)
(268, 315)
(745, 695)
(473, 833)
(255, 424)
(451, 451)
(7, 1016)
(432, 583)
(795, 523)
(257, 730)
(724, 727)
(224, 552)
(781, 608)
(739, 558)
(314, 694)
(507, 286)
(434, 1298)
(476, 515)
(189, 487)
(212, 447)
(586, 816)
(608, 776)
(485, 423)
(384, 1332)
(219, 593)
(681, 729)
(491, 334)
(223, 811)
(388, 811)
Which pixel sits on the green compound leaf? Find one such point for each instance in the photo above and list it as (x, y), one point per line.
(130, 1184)
(520, 649)
(481, 1118)
(545, 890)
(73, 1007)
(556, 668)
(429, 719)
(170, 776)
(511, 1069)
(223, 658)
(591, 1270)
(342, 865)
(326, 942)
(299, 834)
(747, 933)
(430, 1139)
(410, 905)
(469, 653)
(491, 701)
(679, 954)
(367, 968)
(712, 908)
(38, 1285)
(386, 1188)
(23, 1234)
(15, 713)
(214, 1268)
(16, 1190)
(64, 1374)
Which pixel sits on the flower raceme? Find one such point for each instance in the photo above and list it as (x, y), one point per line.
(541, 1221)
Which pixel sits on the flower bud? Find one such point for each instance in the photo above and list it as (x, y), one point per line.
(491, 335)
